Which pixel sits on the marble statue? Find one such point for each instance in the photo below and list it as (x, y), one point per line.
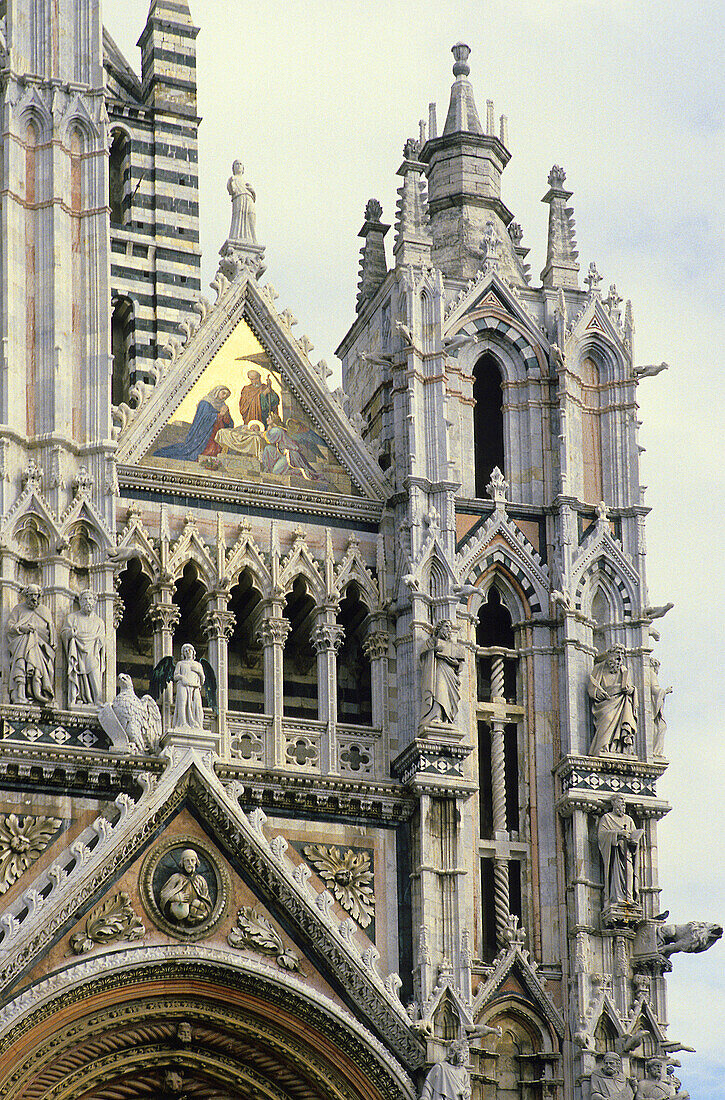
(658, 696)
(192, 679)
(442, 660)
(609, 1083)
(449, 1080)
(655, 1086)
(614, 704)
(31, 640)
(619, 840)
(184, 897)
(84, 641)
(244, 218)
(188, 682)
(133, 724)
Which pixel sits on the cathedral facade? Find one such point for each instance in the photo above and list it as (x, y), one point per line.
(331, 728)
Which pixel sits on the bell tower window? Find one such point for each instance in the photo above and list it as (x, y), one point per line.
(487, 421)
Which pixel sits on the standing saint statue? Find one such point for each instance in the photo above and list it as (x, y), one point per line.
(619, 840)
(188, 682)
(608, 1082)
(614, 704)
(84, 639)
(31, 640)
(244, 218)
(658, 696)
(442, 660)
(449, 1080)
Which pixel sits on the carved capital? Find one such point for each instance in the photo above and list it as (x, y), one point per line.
(219, 624)
(327, 637)
(164, 616)
(274, 631)
(376, 645)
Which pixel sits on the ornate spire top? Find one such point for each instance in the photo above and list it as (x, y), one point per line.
(562, 268)
(461, 52)
(462, 115)
(373, 267)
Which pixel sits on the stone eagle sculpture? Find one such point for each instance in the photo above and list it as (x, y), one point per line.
(132, 723)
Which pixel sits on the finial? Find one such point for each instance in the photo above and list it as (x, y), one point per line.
(373, 211)
(557, 176)
(461, 52)
(411, 149)
(593, 279)
(516, 233)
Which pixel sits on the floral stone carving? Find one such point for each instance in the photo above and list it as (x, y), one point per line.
(22, 840)
(114, 919)
(348, 876)
(255, 931)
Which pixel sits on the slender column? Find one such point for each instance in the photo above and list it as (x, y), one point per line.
(376, 648)
(218, 627)
(272, 635)
(164, 617)
(498, 798)
(327, 639)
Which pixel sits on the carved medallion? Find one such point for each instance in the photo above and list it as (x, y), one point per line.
(184, 887)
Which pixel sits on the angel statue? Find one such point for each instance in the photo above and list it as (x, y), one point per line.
(133, 724)
(191, 679)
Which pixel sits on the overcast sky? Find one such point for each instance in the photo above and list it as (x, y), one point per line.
(317, 98)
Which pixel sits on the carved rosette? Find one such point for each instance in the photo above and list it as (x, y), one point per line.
(254, 931)
(114, 919)
(348, 876)
(327, 637)
(22, 840)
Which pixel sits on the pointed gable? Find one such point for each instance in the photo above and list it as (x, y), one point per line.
(129, 865)
(242, 402)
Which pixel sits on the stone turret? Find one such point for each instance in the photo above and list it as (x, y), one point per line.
(373, 266)
(464, 167)
(168, 57)
(562, 269)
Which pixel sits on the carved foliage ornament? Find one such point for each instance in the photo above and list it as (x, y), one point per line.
(255, 931)
(347, 875)
(114, 919)
(22, 840)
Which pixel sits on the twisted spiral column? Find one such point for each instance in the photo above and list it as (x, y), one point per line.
(500, 828)
(497, 679)
(501, 903)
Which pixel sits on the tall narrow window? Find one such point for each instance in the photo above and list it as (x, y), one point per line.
(118, 178)
(121, 349)
(487, 421)
(593, 488)
(31, 286)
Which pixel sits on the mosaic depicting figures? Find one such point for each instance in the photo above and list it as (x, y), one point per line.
(240, 419)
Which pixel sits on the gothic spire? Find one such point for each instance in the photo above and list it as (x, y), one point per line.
(562, 269)
(462, 114)
(168, 56)
(464, 167)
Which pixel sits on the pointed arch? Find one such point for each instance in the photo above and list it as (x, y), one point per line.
(488, 425)
(603, 575)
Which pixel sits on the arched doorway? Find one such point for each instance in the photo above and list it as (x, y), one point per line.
(170, 1024)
